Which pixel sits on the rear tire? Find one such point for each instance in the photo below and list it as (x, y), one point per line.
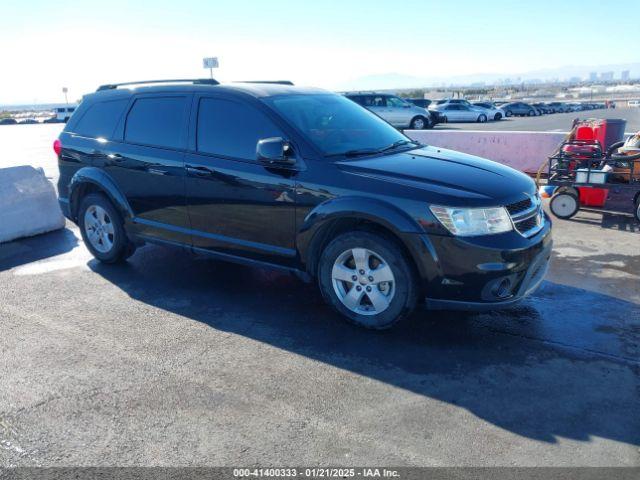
(102, 229)
(638, 209)
(564, 204)
(508, 113)
(497, 116)
(367, 278)
(482, 118)
(532, 113)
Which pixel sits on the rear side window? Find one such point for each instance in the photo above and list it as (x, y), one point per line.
(100, 119)
(232, 129)
(156, 121)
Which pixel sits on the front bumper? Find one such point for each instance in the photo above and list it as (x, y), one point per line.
(486, 273)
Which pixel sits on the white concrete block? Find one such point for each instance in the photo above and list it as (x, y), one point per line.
(28, 203)
(524, 151)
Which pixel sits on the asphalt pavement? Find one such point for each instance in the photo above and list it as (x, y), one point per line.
(173, 359)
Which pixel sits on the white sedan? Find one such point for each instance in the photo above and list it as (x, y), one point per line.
(493, 112)
(456, 112)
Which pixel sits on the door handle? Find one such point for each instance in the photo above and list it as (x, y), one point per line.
(116, 157)
(199, 171)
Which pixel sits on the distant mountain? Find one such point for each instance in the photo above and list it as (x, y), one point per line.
(390, 81)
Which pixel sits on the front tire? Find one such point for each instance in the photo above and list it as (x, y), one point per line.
(532, 113)
(497, 116)
(508, 113)
(367, 278)
(638, 209)
(102, 229)
(419, 123)
(564, 205)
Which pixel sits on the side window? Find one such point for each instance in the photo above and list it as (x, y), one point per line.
(156, 121)
(100, 119)
(232, 129)
(395, 102)
(358, 99)
(378, 101)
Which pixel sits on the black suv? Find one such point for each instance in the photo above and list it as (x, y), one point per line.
(303, 180)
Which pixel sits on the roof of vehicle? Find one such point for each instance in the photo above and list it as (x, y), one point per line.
(258, 90)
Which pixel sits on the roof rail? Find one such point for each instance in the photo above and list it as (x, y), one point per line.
(272, 82)
(195, 81)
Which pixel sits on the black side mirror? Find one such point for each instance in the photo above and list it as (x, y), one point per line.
(274, 151)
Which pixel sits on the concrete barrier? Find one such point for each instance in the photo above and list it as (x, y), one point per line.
(524, 151)
(28, 203)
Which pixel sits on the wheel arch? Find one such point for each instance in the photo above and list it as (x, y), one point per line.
(335, 217)
(93, 180)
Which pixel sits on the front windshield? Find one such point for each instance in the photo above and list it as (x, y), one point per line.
(335, 124)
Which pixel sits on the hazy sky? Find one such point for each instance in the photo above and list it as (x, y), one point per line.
(45, 45)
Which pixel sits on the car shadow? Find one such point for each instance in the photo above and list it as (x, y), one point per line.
(612, 221)
(564, 364)
(32, 249)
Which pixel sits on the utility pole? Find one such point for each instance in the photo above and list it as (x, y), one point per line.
(65, 90)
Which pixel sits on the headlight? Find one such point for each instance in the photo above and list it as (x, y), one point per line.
(469, 222)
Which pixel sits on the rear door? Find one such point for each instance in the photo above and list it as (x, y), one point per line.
(237, 205)
(148, 164)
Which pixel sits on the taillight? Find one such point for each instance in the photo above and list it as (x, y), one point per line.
(57, 146)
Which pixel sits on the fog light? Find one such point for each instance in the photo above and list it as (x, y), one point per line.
(503, 289)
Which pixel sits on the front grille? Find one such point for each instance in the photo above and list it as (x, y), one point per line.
(527, 216)
(526, 225)
(518, 207)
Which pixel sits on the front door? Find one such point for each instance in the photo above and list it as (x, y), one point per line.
(236, 205)
(400, 113)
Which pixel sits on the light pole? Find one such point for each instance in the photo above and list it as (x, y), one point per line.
(65, 90)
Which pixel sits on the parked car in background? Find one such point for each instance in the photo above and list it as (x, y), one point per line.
(572, 107)
(558, 107)
(395, 110)
(633, 103)
(519, 108)
(543, 107)
(459, 112)
(63, 114)
(8, 121)
(493, 112)
(420, 102)
(28, 121)
(229, 170)
(440, 104)
(52, 120)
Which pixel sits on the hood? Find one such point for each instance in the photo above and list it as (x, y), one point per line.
(446, 173)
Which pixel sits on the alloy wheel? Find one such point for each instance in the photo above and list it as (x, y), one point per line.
(363, 281)
(99, 228)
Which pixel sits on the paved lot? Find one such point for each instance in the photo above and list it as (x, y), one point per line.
(557, 122)
(172, 359)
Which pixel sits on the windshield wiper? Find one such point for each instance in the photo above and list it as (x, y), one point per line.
(355, 153)
(372, 151)
(399, 143)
